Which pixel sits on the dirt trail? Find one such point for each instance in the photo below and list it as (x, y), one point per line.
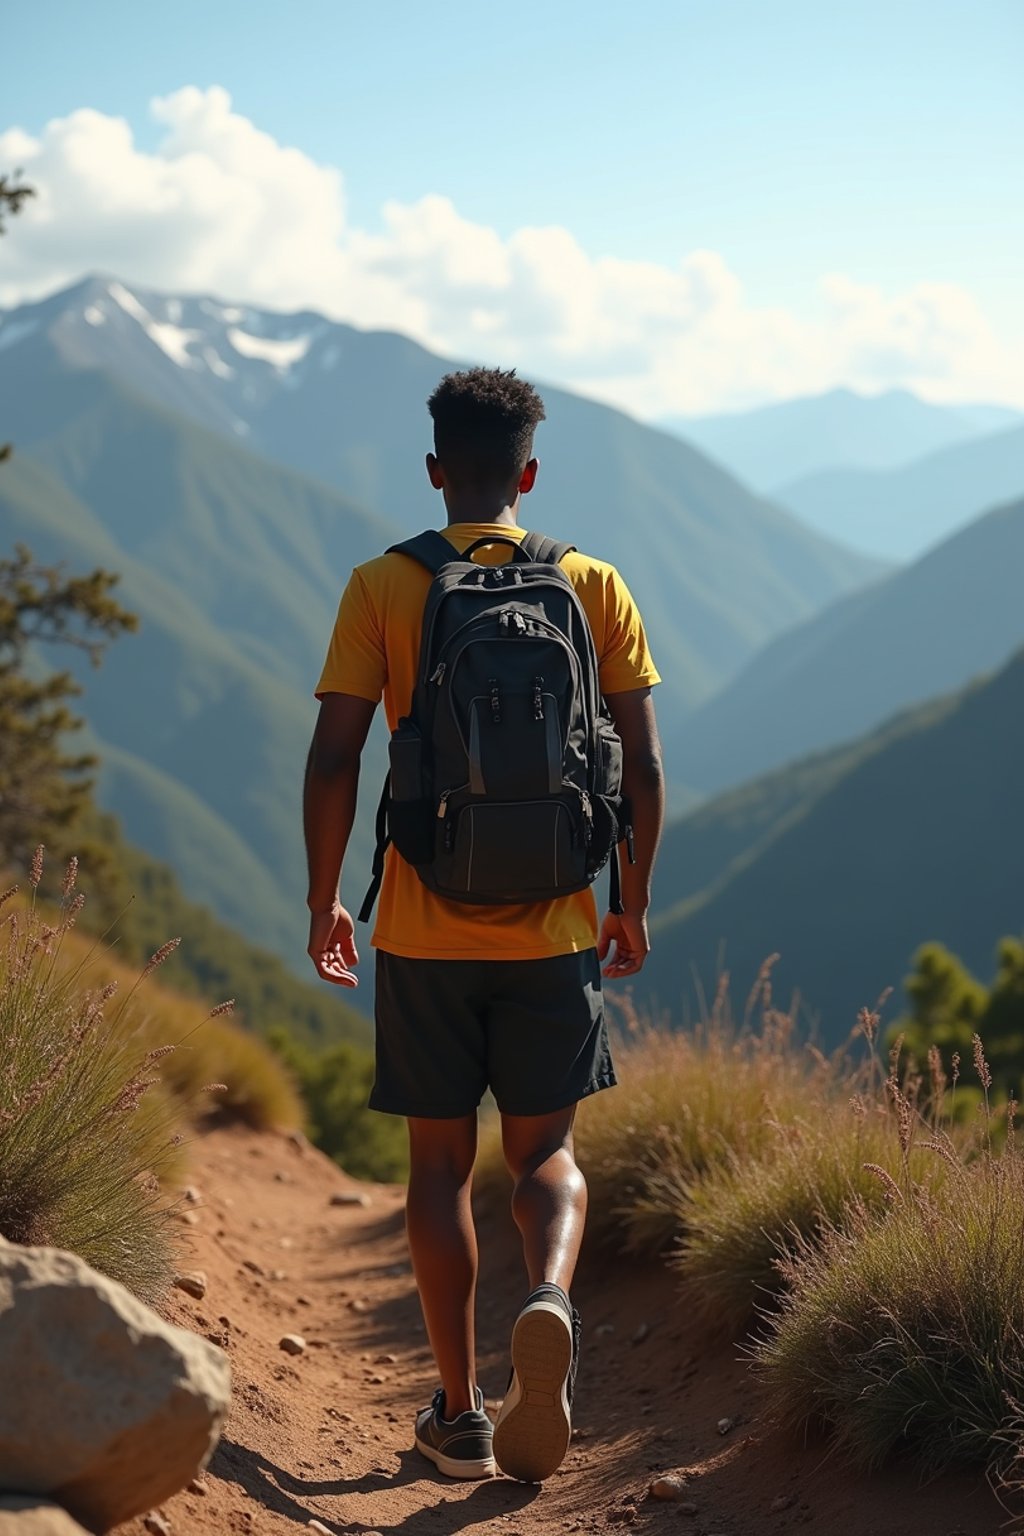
(327, 1436)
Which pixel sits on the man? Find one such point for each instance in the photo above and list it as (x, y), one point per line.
(470, 997)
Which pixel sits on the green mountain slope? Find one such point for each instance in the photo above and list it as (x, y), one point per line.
(925, 630)
(896, 514)
(846, 863)
(204, 746)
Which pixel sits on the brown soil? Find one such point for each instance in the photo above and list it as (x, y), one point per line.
(326, 1436)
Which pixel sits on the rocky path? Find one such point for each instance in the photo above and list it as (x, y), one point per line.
(320, 1439)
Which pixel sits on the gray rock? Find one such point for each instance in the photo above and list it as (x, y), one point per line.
(293, 1344)
(28, 1516)
(350, 1197)
(116, 1410)
(157, 1523)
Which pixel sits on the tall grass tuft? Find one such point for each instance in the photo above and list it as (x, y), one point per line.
(86, 1130)
(905, 1331)
(740, 1219)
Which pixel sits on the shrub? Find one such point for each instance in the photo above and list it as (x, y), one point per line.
(335, 1085)
(85, 1129)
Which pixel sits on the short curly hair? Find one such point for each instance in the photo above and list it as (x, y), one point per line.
(484, 421)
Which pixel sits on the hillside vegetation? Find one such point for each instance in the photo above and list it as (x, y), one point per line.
(847, 863)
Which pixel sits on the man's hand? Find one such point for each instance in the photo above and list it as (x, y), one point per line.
(628, 932)
(332, 945)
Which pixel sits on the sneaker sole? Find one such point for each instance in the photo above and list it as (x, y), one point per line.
(451, 1466)
(533, 1428)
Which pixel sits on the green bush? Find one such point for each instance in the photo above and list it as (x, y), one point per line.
(335, 1085)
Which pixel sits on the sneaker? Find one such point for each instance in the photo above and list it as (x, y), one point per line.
(460, 1447)
(534, 1425)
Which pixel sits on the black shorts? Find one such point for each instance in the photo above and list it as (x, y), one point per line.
(533, 1031)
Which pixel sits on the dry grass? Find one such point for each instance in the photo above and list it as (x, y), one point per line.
(102, 1073)
(687, 1103)
(86, 1132)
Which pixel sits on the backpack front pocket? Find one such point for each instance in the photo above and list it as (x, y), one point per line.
(516, 850)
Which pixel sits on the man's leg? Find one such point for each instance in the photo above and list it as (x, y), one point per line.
(442, 1242)
(549, 1200)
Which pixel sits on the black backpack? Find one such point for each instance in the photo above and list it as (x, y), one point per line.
(505, 777)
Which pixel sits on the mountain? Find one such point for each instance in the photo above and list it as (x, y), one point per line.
(775, 445)
(198, 448)
(897, 514)
(718, 571)
(846, 863)
(203, 718)
(922, 631)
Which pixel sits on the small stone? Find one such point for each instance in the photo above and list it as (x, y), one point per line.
(641, 1333)
(386, 1360)
(350, 1197)
(784, 1501)
(189, 1218)
(293, 1344)
(376, 1380)
(316, 1525)
(198, 1487)
(668, 1489)
(725, 1425)
(252, 1266)
(278, 1274)
(193, 1284)
(281, 1178)
(604, 1329)
(157, 1523)
(357, 1304)
(193, 1196)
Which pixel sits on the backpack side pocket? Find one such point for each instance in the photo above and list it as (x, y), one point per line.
(410, 814)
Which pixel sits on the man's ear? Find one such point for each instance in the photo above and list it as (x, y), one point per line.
(528, 477)
(435, 474)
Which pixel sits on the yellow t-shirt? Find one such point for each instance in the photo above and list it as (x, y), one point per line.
(374, 651)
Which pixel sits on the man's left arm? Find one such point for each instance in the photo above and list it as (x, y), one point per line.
(328, 811)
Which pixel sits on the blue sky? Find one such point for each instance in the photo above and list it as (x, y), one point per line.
(883, 142)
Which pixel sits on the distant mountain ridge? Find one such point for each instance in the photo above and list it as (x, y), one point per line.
(717, 570)
(925, 630)
(845, 863)
(160, 436)
(897, 514)
(773, 445)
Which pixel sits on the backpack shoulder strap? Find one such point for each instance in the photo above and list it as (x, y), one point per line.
(544, 551)
(430, 549)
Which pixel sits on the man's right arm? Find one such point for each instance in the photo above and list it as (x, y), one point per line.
(643, 787)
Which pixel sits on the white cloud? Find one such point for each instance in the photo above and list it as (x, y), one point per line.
(221, 207)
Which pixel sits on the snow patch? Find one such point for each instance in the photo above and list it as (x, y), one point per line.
(281, 354)
(225, 312)
(15, 331)
(174, 341)
(217, 365)
(129, 303)
(94, 315)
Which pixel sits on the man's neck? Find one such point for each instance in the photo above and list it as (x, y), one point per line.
(483, 510)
